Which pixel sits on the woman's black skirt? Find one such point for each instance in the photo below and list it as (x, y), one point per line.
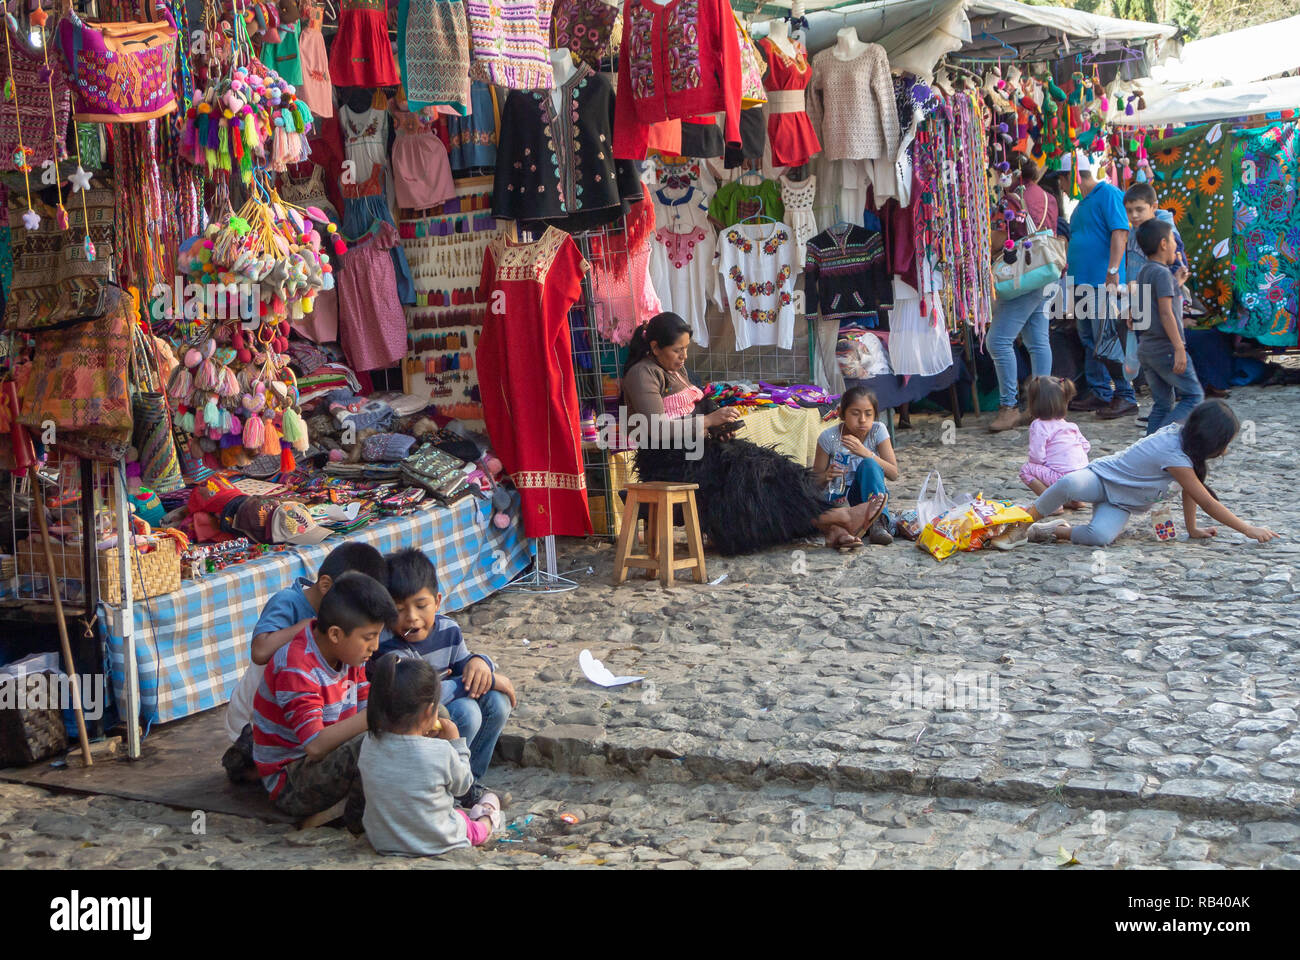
(749, 497)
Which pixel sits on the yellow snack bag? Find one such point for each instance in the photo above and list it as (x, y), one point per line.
(969, 526)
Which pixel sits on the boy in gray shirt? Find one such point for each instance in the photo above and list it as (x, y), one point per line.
(1162, 348)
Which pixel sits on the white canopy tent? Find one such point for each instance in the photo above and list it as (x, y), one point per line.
(1218, 103)
(1242, 56)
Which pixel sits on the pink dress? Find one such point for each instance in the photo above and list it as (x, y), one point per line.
(372, 325)
(317, 89)
(421, 173)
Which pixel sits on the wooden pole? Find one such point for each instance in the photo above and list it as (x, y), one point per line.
(38, 504)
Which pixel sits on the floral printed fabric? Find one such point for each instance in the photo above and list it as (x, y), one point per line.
(1194, 183)
(1266, 234)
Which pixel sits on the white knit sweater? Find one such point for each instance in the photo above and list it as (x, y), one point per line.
(851, 105)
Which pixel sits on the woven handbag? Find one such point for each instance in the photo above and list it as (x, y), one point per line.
(440, 473)
(79, 376)
(43, 130)
(120, 72)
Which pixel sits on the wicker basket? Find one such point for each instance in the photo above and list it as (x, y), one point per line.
(152, 574)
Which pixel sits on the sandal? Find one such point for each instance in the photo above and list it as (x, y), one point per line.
(488, 806)
(840, 539)
(875, 507)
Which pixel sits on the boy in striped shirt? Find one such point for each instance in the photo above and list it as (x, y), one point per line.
(309, 715)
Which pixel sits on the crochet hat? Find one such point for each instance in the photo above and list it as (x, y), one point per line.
(386, 447)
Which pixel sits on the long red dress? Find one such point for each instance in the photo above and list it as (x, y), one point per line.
(361, 55)
(789, 131)
(525, 373)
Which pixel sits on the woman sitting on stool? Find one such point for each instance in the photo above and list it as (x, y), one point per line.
(749, 497)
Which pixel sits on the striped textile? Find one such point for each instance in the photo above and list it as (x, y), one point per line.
(192, 645)
(299, 697)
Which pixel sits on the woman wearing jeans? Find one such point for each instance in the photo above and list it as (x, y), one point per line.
(1025, 316)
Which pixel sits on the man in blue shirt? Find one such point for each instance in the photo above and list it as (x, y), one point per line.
(1098, 239)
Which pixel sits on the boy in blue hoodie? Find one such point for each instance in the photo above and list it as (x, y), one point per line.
(1140, 202)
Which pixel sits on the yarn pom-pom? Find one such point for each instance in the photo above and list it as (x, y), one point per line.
(31, 219)
(501, 521)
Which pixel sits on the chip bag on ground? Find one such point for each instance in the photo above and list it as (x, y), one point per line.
(969, 526)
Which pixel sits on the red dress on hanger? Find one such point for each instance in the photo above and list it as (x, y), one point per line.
(525, 370)
(789, 131)
(361, 55)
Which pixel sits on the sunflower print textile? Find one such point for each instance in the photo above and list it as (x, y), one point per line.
(1266, 234)
(1194, 183)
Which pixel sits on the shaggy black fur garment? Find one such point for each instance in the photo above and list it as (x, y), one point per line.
(750, 497)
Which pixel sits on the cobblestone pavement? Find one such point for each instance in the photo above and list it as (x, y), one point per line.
(981, 711)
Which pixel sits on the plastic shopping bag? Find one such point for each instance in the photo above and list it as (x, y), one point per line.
(969, 526)
(931, 504)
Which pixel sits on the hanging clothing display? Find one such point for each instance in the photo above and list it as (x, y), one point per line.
(588, 29)
(789, 131)
(738, 200)
(917, 345)
(1266, 235)
(433, 51)
(508, 41)
(284, 56)
(525, 363)
(678, 60)
(361, 55)
(472, 139)
(317, 86)
(421, 173)
(846, 275)
(681, 258)
(797, 197)
(372, 325)
(757, 271)
(851, 105)
(558, 168)
(365, 144)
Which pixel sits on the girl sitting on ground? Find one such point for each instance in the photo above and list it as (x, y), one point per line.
(414, 764)
(1056, 447)
(1133, 480)
(855, 459)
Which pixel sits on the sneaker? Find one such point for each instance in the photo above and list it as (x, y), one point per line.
(1090, 402)
(473, 796)
(1011, 537)
(1008, 418)
(489, 806)
(878, 534)
(1117, 408)
(1042, 533)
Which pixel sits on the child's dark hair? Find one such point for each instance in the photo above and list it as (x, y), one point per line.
(354, 556)
(401, 688)
(1208, 430)
(409, 572)
(853, 395)
(1152, 233)
(355, 601)
(1141, 193)
(663, 329)
(1048, 398)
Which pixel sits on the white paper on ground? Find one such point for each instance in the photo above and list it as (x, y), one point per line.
(599, 674)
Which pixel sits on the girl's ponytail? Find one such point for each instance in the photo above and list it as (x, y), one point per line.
(400, 689)
(1208, 430)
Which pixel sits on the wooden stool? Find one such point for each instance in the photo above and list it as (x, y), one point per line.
(659, 498)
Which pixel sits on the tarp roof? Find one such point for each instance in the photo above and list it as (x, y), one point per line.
(1218, 103)
(1241, 56)
(930, 28)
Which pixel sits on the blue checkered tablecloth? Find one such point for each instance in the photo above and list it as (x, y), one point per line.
(192, 645)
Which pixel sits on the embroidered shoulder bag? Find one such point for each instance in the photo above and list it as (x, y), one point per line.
(120, 72)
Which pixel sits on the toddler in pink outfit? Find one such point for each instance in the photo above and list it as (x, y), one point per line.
(1056, 447)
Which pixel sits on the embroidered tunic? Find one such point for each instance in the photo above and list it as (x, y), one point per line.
(681, 59)
(789, 131)
(681, 258)
(525, 368)
(757, 270)
(433, 49)
(508, 41)
(797, 198)
(361, 55)
(851, 105)
(317, 88)
(560, 168)
(846, 276)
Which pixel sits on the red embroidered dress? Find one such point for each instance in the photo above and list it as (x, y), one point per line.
(789, 131)
(681, 59)
(525, 371)
(361, 55)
